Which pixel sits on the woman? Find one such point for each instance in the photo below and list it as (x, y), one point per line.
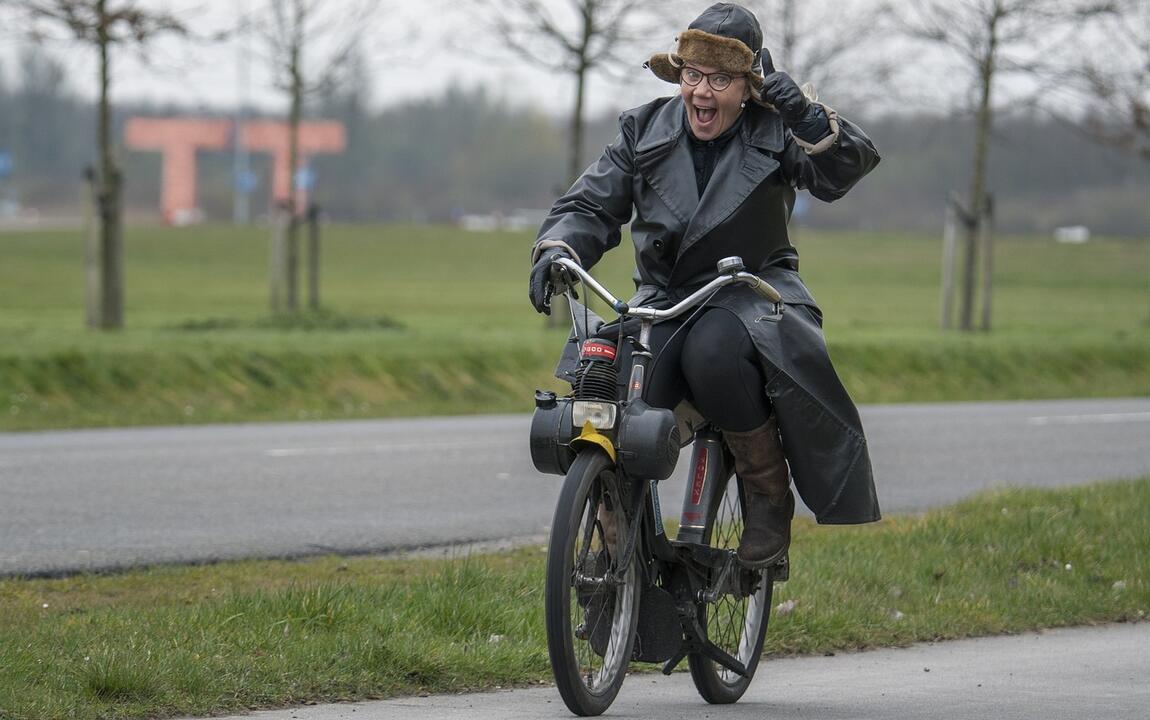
(707, 174)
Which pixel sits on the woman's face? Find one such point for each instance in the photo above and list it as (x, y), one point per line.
(711, 112)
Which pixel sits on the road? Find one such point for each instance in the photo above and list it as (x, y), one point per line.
(1069, 674)
(99, 499)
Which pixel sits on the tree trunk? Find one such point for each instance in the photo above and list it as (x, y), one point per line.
(292, 255)
(986, 238)
(575, 160)
(978, 179)
(111, 315)
(92, 292)
(276, 263)
(559, 309)
(313, 257)
(241, 160)
(949, 236)
(575, 166)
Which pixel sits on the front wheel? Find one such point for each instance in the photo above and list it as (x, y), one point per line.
(591, 603)
(737, 625)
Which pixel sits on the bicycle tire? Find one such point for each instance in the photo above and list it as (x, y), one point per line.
(577, 603)
(736, 625)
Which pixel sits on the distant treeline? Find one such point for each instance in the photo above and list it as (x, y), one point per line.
(468, 151)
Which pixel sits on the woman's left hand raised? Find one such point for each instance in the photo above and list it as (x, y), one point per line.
(781, 91)
(806, 120)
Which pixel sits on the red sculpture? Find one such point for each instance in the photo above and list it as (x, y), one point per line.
(180, 138)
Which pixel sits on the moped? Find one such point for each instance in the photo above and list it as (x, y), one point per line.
(618, 588)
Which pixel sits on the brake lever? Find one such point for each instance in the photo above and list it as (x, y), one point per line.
(562, 281)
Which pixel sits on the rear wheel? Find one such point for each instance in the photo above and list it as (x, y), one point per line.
(591, 603)
(737, 625)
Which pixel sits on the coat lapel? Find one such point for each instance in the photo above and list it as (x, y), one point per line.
(663, 157)
(740, 170)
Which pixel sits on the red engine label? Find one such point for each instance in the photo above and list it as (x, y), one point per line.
(593, 349)
(700, 477)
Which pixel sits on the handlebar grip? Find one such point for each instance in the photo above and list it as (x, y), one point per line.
(763, 288)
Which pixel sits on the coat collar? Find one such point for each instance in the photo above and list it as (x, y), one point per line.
(663, 156)
(763, 129)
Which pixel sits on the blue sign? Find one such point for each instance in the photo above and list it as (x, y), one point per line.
(246, 181)
(305, 178)
(5, 164)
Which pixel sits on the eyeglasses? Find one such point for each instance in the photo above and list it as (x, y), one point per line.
(719, 81)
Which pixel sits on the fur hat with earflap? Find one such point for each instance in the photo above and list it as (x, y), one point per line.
(726, 37)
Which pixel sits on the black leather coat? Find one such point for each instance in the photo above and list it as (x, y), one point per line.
(744, 210)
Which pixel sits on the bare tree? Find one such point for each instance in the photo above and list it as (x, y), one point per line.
(1110, 75)
(102, 25)
(311, 45)
(990, 38)
(577, 38)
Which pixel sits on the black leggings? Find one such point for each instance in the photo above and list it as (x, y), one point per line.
(712, 363)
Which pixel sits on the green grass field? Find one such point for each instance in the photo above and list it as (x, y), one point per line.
(435, 320)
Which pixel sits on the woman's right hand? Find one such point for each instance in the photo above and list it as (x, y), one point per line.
(543, 283)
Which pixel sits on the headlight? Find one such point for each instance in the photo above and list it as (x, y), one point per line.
(601, 415)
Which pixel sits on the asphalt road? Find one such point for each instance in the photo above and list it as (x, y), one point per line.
(98, 499)
(1071, 674)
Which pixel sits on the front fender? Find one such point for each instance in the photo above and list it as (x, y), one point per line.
(591, 436)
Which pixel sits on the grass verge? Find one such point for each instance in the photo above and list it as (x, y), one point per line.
(73, 389)
(235, 636)
(142, 387)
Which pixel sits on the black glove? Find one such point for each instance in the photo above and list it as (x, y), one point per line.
(807, 121)
(544, 281)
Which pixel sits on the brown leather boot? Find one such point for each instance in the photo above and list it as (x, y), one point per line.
(760, 464)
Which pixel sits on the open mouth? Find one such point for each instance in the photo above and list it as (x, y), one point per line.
(705, 114)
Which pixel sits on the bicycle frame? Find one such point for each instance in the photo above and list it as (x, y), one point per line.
(697, 572)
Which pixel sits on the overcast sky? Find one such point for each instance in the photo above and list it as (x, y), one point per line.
(416, 50)
(418, 66)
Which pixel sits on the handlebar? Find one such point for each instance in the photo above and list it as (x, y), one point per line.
(730, 272)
